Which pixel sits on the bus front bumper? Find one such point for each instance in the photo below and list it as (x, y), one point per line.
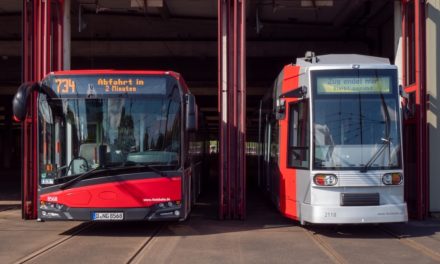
(327, 214)
(153, 213)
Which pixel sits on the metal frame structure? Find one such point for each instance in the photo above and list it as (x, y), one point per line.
(414, 59)
(232, 107)
(42, 53)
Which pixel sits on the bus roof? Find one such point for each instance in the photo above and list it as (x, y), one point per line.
(104, 71)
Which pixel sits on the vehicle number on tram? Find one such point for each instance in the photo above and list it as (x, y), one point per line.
(329, 214)
(109, 216)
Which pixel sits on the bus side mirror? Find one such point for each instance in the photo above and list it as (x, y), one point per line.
(20, 101)
(191, 113)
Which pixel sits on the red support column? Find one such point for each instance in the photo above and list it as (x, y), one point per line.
(404, 36)
(232, 107)
(413, 46)
(42, 53)
(422, 130)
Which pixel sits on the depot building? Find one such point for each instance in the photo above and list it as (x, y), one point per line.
(218, 45)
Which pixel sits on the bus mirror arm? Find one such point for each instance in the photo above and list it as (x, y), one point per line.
(21, 99)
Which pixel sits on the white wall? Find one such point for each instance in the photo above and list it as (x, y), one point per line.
(433, 82)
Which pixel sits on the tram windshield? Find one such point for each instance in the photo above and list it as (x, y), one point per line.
(356, 122)
(127, 129)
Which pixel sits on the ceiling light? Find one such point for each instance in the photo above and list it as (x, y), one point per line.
(316, 3)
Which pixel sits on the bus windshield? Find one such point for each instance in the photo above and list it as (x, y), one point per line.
(131, 129)
(356, 122)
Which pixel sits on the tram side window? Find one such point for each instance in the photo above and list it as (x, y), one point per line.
(298, 150)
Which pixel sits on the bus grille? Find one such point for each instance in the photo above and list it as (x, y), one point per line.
(360, 199)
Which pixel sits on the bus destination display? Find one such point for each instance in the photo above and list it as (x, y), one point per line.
(350, 85)
(93, 85)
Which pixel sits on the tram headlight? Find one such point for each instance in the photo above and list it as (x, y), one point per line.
(392, 178)
(325, 179)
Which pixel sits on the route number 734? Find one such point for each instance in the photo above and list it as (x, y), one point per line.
(65, 86)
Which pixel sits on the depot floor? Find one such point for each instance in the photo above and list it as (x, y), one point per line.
(265, 237)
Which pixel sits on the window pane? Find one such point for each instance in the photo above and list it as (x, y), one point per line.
(298, 150)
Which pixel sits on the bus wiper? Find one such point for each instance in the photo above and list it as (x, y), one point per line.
(101, 169)
(385, 141)
(80, 178)
(130, 164)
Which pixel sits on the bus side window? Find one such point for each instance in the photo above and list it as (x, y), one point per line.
(298, 141)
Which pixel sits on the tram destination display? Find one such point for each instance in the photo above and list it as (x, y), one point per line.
(353, 85)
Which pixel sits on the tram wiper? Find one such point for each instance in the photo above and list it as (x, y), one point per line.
(386, 142)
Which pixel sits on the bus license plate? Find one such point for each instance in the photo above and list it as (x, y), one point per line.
(111, 216)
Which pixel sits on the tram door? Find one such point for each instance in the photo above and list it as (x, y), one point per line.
(266, 160)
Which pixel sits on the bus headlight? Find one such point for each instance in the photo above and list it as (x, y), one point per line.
(392, 178)
(325, 179)
(50, 206)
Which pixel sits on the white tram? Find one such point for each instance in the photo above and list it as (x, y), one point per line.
(331, 134)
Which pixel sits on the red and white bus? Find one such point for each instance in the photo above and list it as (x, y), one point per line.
(114, 145)
(331, 135)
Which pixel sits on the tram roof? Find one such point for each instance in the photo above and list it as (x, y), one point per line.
(341, 59)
